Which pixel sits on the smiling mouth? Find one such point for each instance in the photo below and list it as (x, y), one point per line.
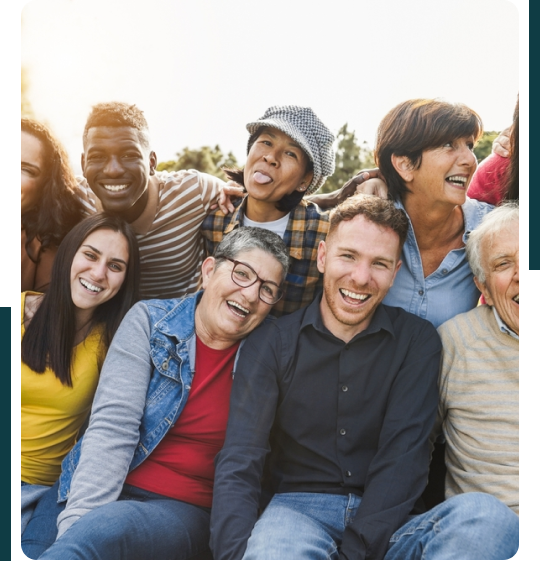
(90, 286)
(459, 180)
(115, 188)
(516, 299)
(237, 310)
(353, 297)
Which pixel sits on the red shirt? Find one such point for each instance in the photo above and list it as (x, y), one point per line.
(182, 464)
(489, 182)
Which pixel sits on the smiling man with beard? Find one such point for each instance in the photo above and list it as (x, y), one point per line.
(341, 395)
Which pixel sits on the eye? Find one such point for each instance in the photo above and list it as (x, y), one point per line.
(470, 146)
(130, 156)
(116, 267)
(346, 256)
(94, 157)
(292, 155)
(29, 171)
(381, 264)
(90, 255)
(268, 289)
(448, 145)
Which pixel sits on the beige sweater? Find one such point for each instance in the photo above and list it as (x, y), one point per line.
(478, 407)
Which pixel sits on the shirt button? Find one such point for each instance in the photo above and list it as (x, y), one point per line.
(421, 292)
(445, 271)
(348, 473)
(344, 388)
(342, 432)
(346, 347)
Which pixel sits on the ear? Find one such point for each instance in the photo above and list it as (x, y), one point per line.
(306, 181)
(153, 163)
(208, 268)
(321, 256)
(398, 267)
(403, 166)
(482, 287)
(83, 162)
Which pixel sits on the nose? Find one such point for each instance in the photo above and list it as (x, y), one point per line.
(99, 270)
(251, 293)
(113, 167)
(467, 157)
(361, 274)
(270, 158)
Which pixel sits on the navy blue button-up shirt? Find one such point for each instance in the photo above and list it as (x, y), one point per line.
(338, 418)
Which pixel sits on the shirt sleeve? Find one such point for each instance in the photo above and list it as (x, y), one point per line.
(113, 433)
(398, 473)
(239, 465)
(85, 195)
(210, 188)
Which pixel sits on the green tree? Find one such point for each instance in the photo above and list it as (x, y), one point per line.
(351, 157)
(483, 146)
(205, 159)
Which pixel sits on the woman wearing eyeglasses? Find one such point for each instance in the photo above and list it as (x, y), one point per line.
(289, 156)
(140, 485)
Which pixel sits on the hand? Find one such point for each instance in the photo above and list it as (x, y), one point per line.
(230, 191)
(368, 181)
(501, 145)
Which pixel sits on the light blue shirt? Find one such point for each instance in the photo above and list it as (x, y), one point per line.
(502, 326)
(448, 291)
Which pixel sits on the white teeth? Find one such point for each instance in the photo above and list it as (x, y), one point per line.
(354, 295)
(90, 286)
(516, 298)
(457, 179)
(236, 305)
(115, 188)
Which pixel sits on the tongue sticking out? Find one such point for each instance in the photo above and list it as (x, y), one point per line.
(261, 177)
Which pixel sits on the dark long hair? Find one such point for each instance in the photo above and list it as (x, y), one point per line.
(58, 209)
(512, 177)
(417, 125)
(287, 202)
(50, 336)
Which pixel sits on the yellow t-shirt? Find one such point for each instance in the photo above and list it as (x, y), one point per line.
(51, 413)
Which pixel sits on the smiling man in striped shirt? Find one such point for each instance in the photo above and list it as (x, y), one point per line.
(164, 209)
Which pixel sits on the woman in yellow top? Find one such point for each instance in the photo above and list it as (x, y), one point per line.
(65, 336)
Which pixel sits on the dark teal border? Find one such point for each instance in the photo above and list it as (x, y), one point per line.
(5, 421)
(533, 16)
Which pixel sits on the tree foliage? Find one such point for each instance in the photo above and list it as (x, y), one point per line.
(205, 159)
(483, 146)
(351, 157)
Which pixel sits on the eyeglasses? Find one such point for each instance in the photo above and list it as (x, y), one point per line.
(243, 275)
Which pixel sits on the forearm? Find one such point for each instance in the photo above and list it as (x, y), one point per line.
(239, 465)
(113, 433)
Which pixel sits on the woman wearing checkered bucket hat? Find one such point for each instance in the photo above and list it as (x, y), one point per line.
(290, 155)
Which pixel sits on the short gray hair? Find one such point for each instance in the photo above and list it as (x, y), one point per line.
(492, 223)
(246, 238)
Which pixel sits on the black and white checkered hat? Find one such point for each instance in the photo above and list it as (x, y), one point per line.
(304, 127)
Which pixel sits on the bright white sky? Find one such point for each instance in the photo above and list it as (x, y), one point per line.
(201, 70)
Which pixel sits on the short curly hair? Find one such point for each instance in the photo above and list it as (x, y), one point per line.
(379, 211)
(118, 114)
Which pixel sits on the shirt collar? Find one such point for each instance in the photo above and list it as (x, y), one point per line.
(237, 217)
(379, 321)
(473, 211)
(502, 326)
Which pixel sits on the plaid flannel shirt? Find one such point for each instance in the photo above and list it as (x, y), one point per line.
(307, 226)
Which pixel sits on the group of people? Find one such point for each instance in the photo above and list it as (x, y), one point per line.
(254, 370)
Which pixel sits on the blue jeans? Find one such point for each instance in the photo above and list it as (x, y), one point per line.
(311, 526)
(30, 496)
(139, 525)
(40, 532)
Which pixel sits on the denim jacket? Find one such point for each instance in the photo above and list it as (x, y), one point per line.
(172, 353)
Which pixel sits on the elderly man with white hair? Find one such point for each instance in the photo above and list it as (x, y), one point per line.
(479, 384)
